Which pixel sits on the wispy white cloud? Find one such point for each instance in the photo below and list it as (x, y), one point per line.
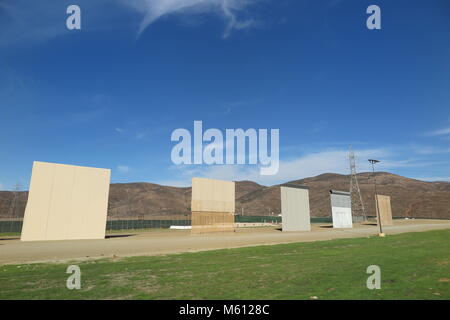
(94, 107)
(123, 169)
(304, 166)
(433, 179)
(427, 150)
(11, 83)
(182, 183)
(141, 135)
(86, 116)
(438, 132)
(308, 165)
(231, 106)
(153, 10)
(119, 130)
(23, 22)
(319, 126)
(2, 187)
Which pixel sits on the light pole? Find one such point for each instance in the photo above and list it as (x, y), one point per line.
(373, 162)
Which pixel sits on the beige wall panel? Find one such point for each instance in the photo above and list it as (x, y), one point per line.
(80, 197)
(63, 179)
(35, 225)
(210, 222)
(384, 209)
(210, 195)
(66, 202)
(98, 203)
(89, 196)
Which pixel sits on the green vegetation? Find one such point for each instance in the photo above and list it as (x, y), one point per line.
(413, 266)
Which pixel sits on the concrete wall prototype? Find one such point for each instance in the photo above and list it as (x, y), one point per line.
(341, 209)
(295, 209)
(212, 195)
(66, 202)
(212, 205)
(207, 222)
(384, 210)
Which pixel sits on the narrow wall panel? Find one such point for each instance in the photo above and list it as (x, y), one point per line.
(384, 209)
(295, 210)
(341, 209)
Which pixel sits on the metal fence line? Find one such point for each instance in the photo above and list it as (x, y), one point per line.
(14, 225)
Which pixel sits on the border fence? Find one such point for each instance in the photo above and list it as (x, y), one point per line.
(138, 224)
(14, 225)
(10, 225)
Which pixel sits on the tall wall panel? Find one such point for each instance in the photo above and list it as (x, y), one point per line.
(66, 202)
(295, 210)
(341, 209)
(384, 209)
(212, 205)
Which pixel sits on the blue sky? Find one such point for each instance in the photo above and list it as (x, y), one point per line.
(110, 95)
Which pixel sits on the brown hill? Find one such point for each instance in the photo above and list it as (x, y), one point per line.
(409, 197)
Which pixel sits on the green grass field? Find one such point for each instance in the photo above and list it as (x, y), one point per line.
(413, 266)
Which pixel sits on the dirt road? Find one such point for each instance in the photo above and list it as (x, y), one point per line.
(175, 241)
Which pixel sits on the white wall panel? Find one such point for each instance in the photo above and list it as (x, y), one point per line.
(341, 209)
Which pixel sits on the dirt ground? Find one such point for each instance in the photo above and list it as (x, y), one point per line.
(158, 242)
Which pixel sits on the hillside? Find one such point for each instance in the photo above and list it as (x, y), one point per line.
(409, 197)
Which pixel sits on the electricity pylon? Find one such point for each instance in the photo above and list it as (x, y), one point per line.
(358, 210)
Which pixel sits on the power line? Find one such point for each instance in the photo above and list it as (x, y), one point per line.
(358, 210)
